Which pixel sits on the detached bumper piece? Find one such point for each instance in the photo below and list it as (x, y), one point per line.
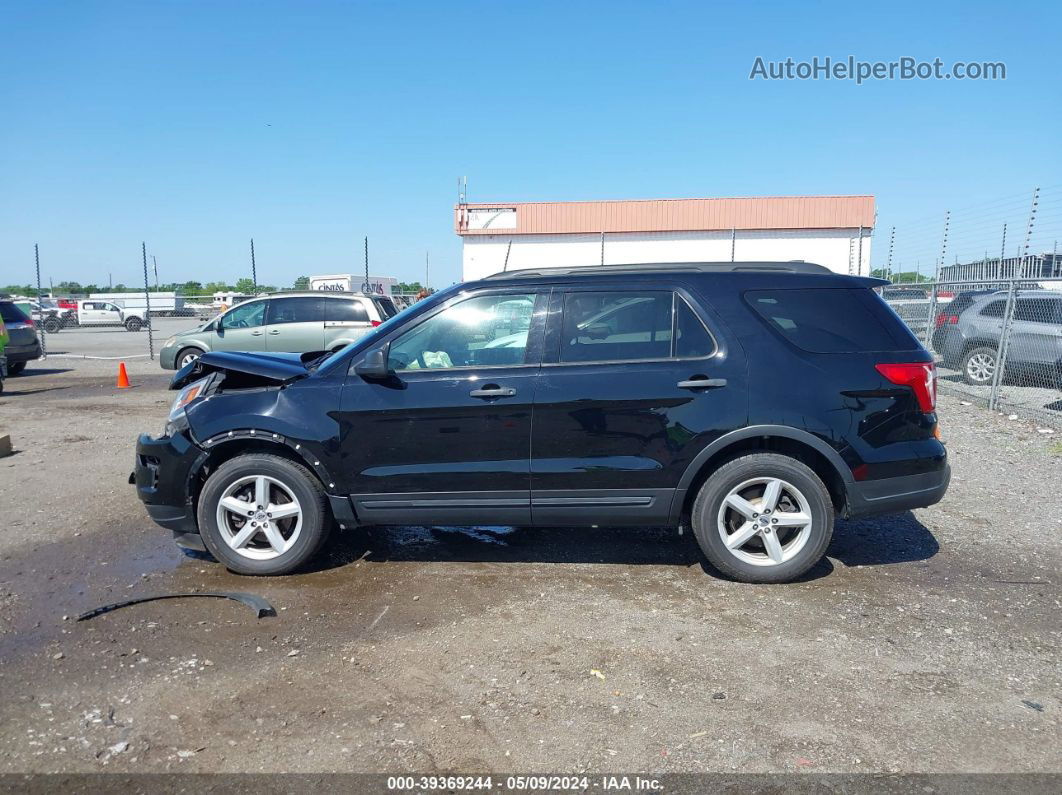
(162, 476)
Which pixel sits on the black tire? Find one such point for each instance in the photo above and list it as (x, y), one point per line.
(186, 352)
(709, 502)
(971, 361)
(316, 518)
(133, 324)
(53, 325)
(16, 368)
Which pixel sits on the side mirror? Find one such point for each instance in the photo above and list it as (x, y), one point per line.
(374, 365)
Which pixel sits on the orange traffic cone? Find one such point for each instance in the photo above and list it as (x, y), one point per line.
(123, 377)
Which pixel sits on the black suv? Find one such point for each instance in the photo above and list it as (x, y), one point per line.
(751, 401)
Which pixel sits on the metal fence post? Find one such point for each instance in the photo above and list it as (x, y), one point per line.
(40, 306)
(1001, 348)
(147, 304)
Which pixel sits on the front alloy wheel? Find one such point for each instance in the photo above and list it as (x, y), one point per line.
(259, 517)
(263, 514)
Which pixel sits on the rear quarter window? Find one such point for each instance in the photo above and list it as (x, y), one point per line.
(12, 314)
(832, 320)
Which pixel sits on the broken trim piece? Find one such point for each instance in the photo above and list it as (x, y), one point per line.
(261, 607)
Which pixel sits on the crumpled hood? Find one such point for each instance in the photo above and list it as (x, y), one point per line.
(278, 367)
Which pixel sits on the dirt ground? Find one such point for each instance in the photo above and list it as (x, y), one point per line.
(930, 641)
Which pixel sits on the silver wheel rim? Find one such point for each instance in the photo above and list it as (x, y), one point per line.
(980, 366)
(764, 521)
(188, 358)
(259, 517)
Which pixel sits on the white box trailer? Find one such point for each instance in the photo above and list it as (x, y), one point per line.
(163, 304)
(350, 283)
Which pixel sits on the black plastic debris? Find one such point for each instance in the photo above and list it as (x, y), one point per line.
(261, 607)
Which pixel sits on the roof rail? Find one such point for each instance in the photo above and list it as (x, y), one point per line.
(793, 266)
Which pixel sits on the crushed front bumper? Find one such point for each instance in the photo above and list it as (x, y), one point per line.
(163, 474)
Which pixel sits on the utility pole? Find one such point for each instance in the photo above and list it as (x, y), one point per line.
(147, 304)
(888, 262)
(368, 287)
(37, 259)
(155, 265)
(254, 270)
(427, 264)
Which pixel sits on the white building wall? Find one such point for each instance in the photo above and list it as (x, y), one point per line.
(837, 249)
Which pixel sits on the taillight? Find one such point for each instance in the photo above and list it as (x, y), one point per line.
(920, 376)
(950, 320)
(375, 323)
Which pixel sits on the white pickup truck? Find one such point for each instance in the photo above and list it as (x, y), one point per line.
(103, 313)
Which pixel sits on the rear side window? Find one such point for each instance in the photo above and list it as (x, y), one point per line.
(296, 310)
(1037, 310)
(386, 307)
(616, 326)
(347, 310)
(12, 314)
(994, 309)
(831, 320)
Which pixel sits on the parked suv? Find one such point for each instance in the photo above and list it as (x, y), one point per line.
(750, 401)
(296, 322)
(1034, 347)
(23, 345)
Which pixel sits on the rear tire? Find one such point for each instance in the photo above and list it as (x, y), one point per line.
(53, 325)
(979, 366)
(133, 324)
(269, 481)
(763, 518)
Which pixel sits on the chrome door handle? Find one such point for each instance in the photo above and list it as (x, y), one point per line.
(701, 383)
(493, 391)
(274, 331)
(256, 333)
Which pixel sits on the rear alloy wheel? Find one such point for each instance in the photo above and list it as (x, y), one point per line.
(979, 366)
(133, 324)
(763, 518)
(262, 514)
(187, 356)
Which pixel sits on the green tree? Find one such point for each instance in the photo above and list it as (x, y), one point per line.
(302, 283)
(245, 286)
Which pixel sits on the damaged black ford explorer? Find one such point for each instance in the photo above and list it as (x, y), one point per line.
(753, 402)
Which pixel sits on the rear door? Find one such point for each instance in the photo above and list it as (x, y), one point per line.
(345, 319)
(1036, 336)
(296, 324)
(242, 328)
(635, 382)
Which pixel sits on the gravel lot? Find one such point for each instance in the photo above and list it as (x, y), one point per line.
(929, 642)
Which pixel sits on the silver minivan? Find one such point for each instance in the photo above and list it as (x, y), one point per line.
(296, 322)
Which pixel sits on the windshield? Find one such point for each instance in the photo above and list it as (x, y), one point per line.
(384, 328)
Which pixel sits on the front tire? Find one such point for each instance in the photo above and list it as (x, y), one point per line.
(186, 356)
(133, 324)
(53, 325)
(263, 514)
(979, 366)
(763, 518)
(16, 368)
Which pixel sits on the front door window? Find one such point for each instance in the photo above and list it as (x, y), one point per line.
(485, 331)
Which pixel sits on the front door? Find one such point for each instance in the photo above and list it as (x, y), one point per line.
(295, 325)
(242, 328)
(633, 386)
(446, 438)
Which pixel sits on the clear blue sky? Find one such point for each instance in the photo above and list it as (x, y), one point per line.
(307, 125)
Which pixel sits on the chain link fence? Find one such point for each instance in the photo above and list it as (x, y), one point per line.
(997, 341)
